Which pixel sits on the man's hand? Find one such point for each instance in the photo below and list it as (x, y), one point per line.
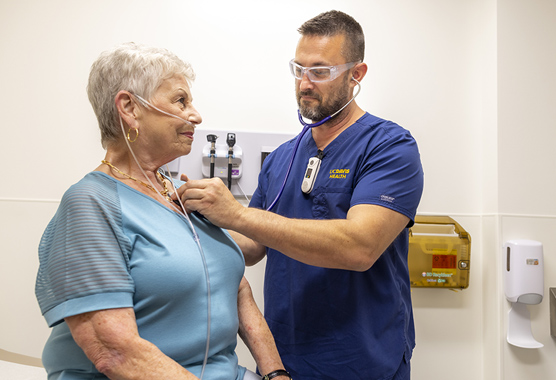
(212, 199)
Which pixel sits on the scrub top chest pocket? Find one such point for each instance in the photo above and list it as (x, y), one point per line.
(331, 203)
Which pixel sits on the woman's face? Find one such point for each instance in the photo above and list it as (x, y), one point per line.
(165, 135)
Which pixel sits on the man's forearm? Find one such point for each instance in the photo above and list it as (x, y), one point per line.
(354, 243)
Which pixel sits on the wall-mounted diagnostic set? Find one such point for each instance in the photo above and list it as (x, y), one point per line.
(222, 160)
(235, 157)
(439, 253)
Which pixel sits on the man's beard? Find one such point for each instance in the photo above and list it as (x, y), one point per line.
(320, 111)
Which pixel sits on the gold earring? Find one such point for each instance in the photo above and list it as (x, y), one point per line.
(136, 134)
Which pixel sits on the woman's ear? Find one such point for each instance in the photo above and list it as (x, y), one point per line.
(127, 108)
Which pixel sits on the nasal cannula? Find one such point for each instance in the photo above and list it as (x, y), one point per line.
(194, 232)
(306, 127)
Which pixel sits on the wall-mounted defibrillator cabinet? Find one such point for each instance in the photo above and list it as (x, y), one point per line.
(439, 253)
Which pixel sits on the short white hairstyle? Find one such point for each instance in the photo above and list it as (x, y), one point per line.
(131, 67)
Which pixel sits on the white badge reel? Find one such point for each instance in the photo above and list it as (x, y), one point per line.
(310, 175)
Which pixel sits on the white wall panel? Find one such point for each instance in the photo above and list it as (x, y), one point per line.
(22, 328)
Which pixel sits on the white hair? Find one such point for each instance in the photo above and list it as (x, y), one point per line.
(131, 67)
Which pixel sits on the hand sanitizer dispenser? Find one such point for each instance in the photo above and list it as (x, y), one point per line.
(523, 268)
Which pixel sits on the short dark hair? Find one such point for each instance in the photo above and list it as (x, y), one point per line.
(332, 23)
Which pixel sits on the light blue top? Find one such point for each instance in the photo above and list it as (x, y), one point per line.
(110, 246)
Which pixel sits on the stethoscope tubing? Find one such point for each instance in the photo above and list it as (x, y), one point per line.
(306, 127)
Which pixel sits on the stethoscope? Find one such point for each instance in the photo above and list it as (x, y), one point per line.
(306, 127)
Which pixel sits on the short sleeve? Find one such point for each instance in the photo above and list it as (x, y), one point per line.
(391, 175)
(84, 254)
(257, 198)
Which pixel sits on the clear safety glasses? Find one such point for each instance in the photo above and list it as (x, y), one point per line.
(319, 73)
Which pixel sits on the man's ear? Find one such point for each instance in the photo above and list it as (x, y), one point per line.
(360, 71)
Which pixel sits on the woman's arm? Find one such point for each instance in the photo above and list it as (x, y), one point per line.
(111, 341)
(254, 331)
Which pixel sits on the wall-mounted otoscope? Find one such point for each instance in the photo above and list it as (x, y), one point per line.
(212, 140)
(224, 160)
(231, 141)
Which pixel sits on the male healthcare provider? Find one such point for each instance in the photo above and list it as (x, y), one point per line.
(337, 292)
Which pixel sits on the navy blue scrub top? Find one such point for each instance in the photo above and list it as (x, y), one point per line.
(332, 323)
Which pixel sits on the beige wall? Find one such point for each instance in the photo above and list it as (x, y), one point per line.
(527, 130)
(473, 80)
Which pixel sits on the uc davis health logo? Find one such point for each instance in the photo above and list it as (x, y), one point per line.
(339, 173)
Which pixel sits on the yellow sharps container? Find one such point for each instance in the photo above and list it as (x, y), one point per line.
(439, 253)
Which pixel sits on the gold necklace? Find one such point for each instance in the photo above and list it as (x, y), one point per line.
(164, 192)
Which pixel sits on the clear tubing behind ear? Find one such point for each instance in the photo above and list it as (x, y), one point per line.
(194, 232)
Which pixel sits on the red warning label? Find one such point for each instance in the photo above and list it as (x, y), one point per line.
(444, 261)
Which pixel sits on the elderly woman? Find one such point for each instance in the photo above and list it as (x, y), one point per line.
(134, 287)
